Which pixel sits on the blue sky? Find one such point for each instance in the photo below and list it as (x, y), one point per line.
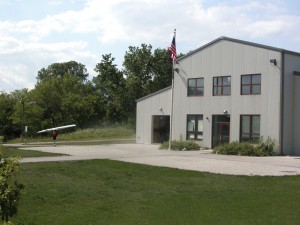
(35, 34)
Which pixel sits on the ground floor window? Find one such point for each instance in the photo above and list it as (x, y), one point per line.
(250, 128)
(195, 127)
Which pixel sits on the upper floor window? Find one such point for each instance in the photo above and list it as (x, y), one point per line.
(195, 87)
(251, 84)
(222, 85)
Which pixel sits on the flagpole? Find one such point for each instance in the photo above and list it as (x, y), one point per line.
(171, 115)
(173, 56)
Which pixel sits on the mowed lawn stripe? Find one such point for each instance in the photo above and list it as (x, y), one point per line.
(112, 192)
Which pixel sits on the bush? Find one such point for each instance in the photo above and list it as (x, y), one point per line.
(263, 148)
(234, 148)
(180, 145)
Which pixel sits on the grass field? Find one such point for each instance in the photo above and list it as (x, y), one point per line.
(111, 192)
(86, 134)
(15, 152)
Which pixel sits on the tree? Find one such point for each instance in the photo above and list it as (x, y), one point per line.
(145, 72)
(16, 114)
(161, 70)
(59, 70)
(9, 188)
(6, 110)
(110, 84)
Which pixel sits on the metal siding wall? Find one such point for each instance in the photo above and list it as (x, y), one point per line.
(296, 142)
(291, 127)
(148, 107)
(234, 59)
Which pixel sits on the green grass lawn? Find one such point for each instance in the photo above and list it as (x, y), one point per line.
(111, 192)
(15, 152)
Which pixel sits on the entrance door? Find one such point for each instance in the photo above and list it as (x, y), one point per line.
(160, 129)
(224, 132)
(220, 130)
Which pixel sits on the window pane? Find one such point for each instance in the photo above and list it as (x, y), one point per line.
(246, 80)
(191, 136)
(215, 91)
(245, 125)
(200, 82)
(200, 91)
(191, 91)
(215, 81)
(256, 79)
(246, 90)
(192, 82)
(219, 90)
(226, 90)
(256, 89)
(219, 80)
(256, 125)
(245, 138)
(226, 80)
(200, 123)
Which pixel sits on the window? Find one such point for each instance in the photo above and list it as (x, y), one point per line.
(250, 84)
(222, 85)
(195, 87)
(250, 128)
(194, 127)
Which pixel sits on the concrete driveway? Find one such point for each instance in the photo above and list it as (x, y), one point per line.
(203, 161)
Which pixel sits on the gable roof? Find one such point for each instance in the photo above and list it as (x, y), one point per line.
(155, 93)
(223, 38)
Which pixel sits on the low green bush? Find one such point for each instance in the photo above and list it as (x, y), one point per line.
(262, 148)
(265, 147)
(180, 145)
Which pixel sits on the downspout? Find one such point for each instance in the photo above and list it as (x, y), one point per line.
(281, 103)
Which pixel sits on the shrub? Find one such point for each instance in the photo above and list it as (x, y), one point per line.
(227, 149)
(180, 145)
(263, 148)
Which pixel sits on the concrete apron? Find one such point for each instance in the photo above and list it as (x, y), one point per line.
(203, 160)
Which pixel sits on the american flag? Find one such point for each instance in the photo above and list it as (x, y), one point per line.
(173, 48)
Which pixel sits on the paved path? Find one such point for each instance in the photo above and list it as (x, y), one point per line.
(203, 161)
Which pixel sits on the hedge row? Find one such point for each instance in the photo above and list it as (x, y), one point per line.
(180, 145)
(262, 148)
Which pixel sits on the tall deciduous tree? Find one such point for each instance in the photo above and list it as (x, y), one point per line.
(59, 70)
(68, 100)
(145, 72)
(110, 83)
(6, 110)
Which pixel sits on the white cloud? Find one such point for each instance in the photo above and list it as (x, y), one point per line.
(80, 35)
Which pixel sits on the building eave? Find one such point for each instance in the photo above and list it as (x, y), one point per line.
(223, 38)
(152, 94)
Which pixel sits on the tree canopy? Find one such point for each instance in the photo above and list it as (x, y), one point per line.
(64, 95)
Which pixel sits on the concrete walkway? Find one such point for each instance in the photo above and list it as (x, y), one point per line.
(203, 160)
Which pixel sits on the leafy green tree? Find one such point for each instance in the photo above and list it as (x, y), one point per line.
(6, 110)
(110, 84)
(16, 114)
(10, 189)
(67, 100)
(59, 70)
(161, 70)
(145, 72)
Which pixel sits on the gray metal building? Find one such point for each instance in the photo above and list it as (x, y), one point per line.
(228, 90)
